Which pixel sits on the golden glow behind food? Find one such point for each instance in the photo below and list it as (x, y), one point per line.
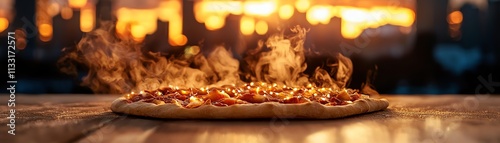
(354, 19)
(213, 14)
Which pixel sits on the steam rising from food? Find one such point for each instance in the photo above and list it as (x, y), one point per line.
(283, 61)
(120, 65)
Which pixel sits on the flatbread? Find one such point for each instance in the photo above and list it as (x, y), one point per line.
(309, 110)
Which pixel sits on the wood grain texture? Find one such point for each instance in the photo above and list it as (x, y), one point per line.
(88, 119)
(310, 110)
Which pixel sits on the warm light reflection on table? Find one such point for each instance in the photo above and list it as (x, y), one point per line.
(429, 129)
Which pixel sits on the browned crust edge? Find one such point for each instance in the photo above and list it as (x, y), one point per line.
(311, 110)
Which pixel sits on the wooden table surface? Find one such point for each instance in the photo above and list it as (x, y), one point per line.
(88, 119)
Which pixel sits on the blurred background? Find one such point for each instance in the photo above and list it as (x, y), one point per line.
(403, 46)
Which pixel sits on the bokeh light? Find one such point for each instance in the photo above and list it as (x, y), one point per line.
(77, 3)
(178, 40)
(455, 17)
(87, 19)
(247, 25)
(66, 13)
(137, 31)
(260, 8)
(261, 27)
(45, 30)
(318, 14)
(302, 5)
(4, 23)
(286, 11)
(214, 22)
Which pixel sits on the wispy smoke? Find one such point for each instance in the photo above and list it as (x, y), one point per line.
(282, 59)
(118, 65)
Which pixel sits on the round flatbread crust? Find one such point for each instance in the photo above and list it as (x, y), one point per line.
(311, 110)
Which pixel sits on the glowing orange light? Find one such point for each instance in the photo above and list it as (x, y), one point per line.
(261, 27)
(380, 15)
(233, 7)
(4, 23)
(377, 18)
(124, 14)
(204, 9)
(145, 17)
(66, 13)
(132, 20)
(355, 20)
(148, 20)
(262, 8)
(165, 13)
(175, 29)
(247, 25)
(45, 30)
(335, 11)
(214, 22)
(302, 5)
(311, 19)
(168, 9)
(178, 40)
(402, 17)
(77, 3)
(354, 15)
(200, 14)
(455, 17)
(319, 14)
(53, 9)
(137, 31)
(350, 30)
(286, 11)
(121, 27)
(87, 19)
